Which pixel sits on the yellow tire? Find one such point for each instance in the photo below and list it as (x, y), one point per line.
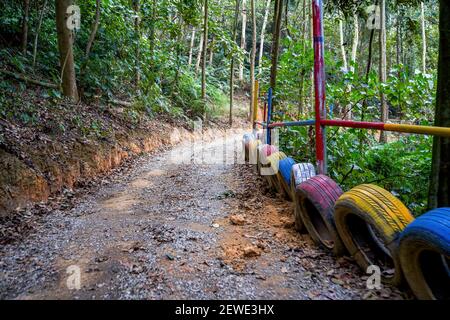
(252, 157)
(369, 220)
(269, 170)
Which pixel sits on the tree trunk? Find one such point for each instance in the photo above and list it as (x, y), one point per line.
(26, 11)
(36, 36)
(263, 34)
(286, 18)
(342, 44)
(439, 195)
(65, 46)
(152, 41)
(348, 114)
(199, 54)
(137, 22)
(276, 42)
(236, 17)
(383, 72)
(252, 59)
(398, 42)
(191, 46)
(91, 39)
(205, 44)
(424, 39)
(211, 51)
(243, 40)
(93, 30)
(355, 41)
(301, 100)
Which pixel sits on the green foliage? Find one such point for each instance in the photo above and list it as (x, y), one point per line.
(168, 84)
(402, 166)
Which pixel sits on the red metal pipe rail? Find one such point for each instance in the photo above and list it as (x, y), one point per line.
(319, 85)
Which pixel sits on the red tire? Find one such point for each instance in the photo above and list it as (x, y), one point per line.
(263, 154)
(300, 173)
(270, 165)
(317, 197)
(247, 138)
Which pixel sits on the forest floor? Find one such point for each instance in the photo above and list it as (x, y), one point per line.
(162, 229)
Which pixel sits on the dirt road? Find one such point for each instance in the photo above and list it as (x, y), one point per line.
(163, 230)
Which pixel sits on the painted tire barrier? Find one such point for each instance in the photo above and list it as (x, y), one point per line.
(270, 170)
(300, 173)
(317, 197)
(369, 220)
(247, 138)
(253, 152)
(265, 151)
(260, 135)
(284, 176)
(424, 252)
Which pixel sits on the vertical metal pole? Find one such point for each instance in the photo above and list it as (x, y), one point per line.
(269, 115)
(255, 103)
(265, 112)
(319, 85)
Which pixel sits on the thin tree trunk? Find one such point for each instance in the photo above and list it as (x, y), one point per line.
(137, 22)
(26, 11)
(424, 39)
(439, 195)
(236, 17)
(27, 79)
(355, 41)
(36, 36)
(263, 35)
(286, 18)
(342, 44)
(178, 46)
(243, 40)
(398, 42)
(152, 41)
(301, 100)
(211, 51)
(93, 30)
(89, 46)
(199, 55)
(348, 114)
(191, 46)
(200, 47)
(252, 59)
(383, 72)
(205, 44)
(276, 42)
(65, 45)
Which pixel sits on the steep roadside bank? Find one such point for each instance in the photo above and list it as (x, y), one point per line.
(48, 150)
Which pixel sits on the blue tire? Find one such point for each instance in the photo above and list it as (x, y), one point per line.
(424, 252)
(285, 169)
(284, 176)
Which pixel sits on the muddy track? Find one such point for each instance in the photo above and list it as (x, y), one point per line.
(163, 230)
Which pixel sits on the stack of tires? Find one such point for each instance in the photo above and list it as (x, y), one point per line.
(368, 223)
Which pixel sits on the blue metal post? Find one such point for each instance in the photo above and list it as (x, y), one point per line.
(269, 115)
